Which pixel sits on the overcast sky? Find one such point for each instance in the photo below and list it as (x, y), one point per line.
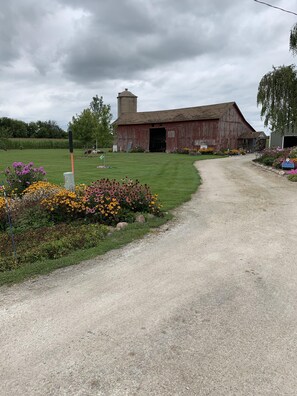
(55, 55)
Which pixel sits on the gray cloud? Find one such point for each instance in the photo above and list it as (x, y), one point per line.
(56, 54)
(136, 37)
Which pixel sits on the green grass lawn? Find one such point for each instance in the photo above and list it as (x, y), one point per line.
(172, 176)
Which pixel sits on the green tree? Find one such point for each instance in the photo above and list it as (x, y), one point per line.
(84, 127)
(277, 93)
(93, 125)
(4, 135)
(103, 116)
(293, 39)
(16, 128)
(47, 129)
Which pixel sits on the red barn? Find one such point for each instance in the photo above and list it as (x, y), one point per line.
(218, 126)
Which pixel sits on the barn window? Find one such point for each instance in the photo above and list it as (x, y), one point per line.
(171, 134)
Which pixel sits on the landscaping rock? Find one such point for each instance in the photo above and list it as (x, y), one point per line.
(121, 225)
(140, 219)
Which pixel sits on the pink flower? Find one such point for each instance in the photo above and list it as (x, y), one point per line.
(292, 172)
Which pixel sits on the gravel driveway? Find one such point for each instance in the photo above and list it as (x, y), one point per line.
(206, 306)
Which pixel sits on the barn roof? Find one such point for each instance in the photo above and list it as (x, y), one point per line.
(209, 112)
(253, 135)
(126, 93)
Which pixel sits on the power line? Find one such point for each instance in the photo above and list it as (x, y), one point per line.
(278, 8)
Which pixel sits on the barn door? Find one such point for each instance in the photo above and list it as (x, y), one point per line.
(157, 140)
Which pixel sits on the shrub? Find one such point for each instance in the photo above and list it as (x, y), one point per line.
(20, 176)
(3, 215)
(208, 150)
(277, 163)
(292, 178)
(194, 152)
(295, 162)
(233, 152)
(268, 161)
(128, 194)
(137, 149)
(49, 243)
(101, 208)
(268, 156)
(8, 207)
(64, 205)
(31, 218)
(40, 190)
(293, 152)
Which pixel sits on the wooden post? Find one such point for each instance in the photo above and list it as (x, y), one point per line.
(70, 140)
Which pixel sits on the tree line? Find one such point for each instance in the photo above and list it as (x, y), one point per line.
(11, 128)
(92, 127)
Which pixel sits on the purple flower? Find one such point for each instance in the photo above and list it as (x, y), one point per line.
(18, 164)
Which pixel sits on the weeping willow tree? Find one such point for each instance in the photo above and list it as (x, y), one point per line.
(293, 40)
(277, 94)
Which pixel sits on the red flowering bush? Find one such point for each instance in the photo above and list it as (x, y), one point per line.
(273, 157)
(110, 199)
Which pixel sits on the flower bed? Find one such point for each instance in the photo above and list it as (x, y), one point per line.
(43, 210)
(274, 157)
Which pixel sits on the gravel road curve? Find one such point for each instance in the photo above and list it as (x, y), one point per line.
(204, 306)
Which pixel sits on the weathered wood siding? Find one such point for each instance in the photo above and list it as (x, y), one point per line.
(133, 136)
(178, 134)
(231, 126)
(220, 133)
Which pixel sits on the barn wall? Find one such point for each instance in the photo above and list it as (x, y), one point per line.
(192, 134)
(231, 126)
(188, 134)
(219, 134)
(132, 136)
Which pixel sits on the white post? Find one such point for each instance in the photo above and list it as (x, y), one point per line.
(69, 181)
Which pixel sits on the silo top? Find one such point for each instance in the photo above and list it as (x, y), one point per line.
(126, 93)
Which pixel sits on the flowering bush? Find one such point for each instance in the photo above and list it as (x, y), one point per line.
(102, 209)
(104, 201)
(295, 162)
(208, 150)
(292, 172)
(126, 195)
(233, 152)
(273, 156)
(20, 176)
(40, 190)
(64, 205)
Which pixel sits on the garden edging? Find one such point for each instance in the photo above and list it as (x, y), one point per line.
(270, 169)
